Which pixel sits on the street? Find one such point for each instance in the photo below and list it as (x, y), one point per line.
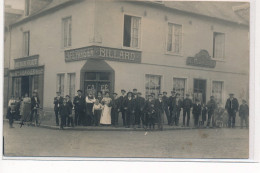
(194, 143)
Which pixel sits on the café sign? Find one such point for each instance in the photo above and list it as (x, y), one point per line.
(105, 53)
(26, 62)
(27, 71)
(201, 59)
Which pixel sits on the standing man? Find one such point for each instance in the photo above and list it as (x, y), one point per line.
(243, 113)
(166, 106)
(115, 110)
(121, 100)
(90, 100)
(170, 104)
(232, 108)
(212, 106)
(79, 105)
(134, 92)
(140, 102)
(196, 111)
(187, 104)
(35, 104)
(130, 108)
(176, 105)
(58, 100)
(159, 108)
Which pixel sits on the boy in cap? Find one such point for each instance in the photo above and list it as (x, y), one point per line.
(58, 100)
(121, 100)
(79, 105)
(187, 104)
(232, 108)
(150, 113)
(64, 113)
(114, 110)
(243, 113)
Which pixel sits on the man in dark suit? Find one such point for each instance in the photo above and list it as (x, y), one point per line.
(211, 106)
(196, 111)
(35, 104)
(166, 106)
(121, 100)
(130, 108)
(140, 102)
(79, 105)
(58, 100)
(159, 108)
(187, 104)
(114, 110)
(176, 105)
(170, 104)
(232, 108)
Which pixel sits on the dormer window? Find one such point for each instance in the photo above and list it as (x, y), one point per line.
(27, 7)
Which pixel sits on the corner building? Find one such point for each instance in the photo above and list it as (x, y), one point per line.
(200, 48)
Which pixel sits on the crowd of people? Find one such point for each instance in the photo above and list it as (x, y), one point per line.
(136, 111)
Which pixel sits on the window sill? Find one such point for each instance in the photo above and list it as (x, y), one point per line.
(66, 48)
(174, 54)
(131, 48)
(218, 59)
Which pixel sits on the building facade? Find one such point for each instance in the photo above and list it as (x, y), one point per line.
(112, 45)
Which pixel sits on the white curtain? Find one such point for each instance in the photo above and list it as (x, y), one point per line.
(179, 86)
(219, 49)
(135, 31)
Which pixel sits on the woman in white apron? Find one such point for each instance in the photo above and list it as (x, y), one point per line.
(26, 108)
(106, 112)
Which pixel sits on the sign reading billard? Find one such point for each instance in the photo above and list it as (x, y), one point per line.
(105, 53)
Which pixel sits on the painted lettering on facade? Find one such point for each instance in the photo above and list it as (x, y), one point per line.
(27, 72)
(31, 61)
(201, 59)
(105, 53)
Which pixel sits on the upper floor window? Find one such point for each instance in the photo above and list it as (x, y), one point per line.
(27, 7)
(218, 45)
(174, 40)
(66, 31)
(132, 31)
(26, 43)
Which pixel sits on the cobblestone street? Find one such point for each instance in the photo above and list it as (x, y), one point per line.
(194, 143)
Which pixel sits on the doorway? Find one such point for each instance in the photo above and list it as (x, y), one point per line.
(199, 91)
(25, 85)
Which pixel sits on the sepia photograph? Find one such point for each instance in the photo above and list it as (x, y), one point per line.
(106, 79)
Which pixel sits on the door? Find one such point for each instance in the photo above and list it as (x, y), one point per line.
(25, 84)
(199, 91)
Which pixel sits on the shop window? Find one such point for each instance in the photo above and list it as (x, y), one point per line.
(132, 31)
(71, 84)
(217, 91)
(66, 31)
(174, 39)
(60, 83)
(218, 45)
(16, 90)
(26, 43)
(179, 86)
(152, 84)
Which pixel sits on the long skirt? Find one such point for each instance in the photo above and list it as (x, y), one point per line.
(106, 116)
(25, 111)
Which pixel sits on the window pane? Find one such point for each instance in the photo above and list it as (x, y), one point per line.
(174, 40)
(90, 76)
(179, 86)
(218, 45)
(67, 27)
(71, 81)
(127, 30)
(60, 83)
(152, 85)
(104, 76)
(217, 89)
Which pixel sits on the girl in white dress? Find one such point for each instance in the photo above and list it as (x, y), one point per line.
(106, 112)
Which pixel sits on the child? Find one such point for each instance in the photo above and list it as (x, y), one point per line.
(196, 112)
(243, 114)
(150, 112)
(204, 113)
(11, 114)
(70, 117)
(97, 110)
(64, 113)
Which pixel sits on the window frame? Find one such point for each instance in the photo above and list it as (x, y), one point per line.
(58, 89)
(186, 84)
(161, 83)
(140, 32)
(213, 46)
(69, 18)
(223, 90)
(166, 39)
(72, 95)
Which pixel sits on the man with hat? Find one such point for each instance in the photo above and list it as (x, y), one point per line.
(243, 113)
(211, 106)
(176, 109)
(130, 108)
(115, 109)
(79, 105)
(153, 96)
(121, 100)
(196, 111)
(159, 108)
(170, 104)
(134, 92)
(166, 106)
(140, 101)
(232, 108)
(35, 104)
(187, 104)
(58, 100)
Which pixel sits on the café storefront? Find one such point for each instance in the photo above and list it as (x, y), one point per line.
(27, 77)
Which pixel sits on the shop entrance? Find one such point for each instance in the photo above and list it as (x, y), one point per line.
(199, 91)
(25, 85)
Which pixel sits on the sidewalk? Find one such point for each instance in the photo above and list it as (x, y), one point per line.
(105, 128)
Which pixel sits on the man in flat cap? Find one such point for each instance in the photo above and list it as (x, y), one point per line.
(232, 108)
(170, 104)
(115, 108)
(187, 104)
(166, 106)
(58, 100)
(121, 100)
(79, 105)
(211, 106)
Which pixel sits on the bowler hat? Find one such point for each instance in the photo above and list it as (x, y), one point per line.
(164, 92)
(67, 96)
(129, 93)
(159, 94)
(79, 91)
(114, 93)
(134, 89)
(123, 90)
(177, 94)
